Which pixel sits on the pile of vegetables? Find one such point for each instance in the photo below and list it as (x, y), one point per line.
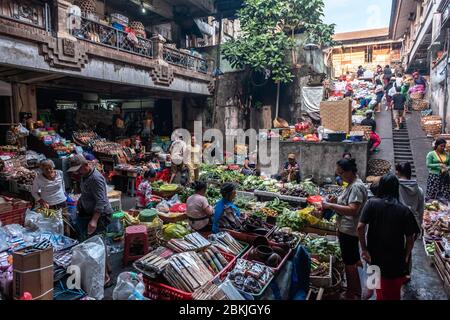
(272, 209)
(175, 231)
(436, 221)
(321, 247)
(319, 269)
(221, 174)
(285, 236)
(291, 220)
(430, 248)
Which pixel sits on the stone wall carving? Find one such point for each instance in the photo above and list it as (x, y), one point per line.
(64, 53)
(162, 75)
(211, 87)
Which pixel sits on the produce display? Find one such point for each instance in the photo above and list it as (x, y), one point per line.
(436, 221)
(272, 209)
(285, 236)
(319, 269)
(85, 137)
(50, 138)
(250, 277)
(108, 148)
(292, 220)
(255, 225)
(430, 248)
(321, 247)
(174, 231)
(24, 176)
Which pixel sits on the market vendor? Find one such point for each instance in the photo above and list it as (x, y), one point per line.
(291, 170)
(348, 209)
(247, 168)
(198, 209)
(226, 214)
(194, 164)
(145, 188)
(375, 139)
(118, 130)
(48, 188)
(176, 155)
(94, 208)
(419, 81)
(147, 131)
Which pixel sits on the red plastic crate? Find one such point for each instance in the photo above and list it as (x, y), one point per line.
(159, 291)
(16, 216)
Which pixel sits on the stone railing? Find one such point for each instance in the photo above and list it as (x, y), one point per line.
(184, 59)
(108, 36)
(35, 13)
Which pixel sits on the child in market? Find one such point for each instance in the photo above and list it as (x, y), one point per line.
(145, 188)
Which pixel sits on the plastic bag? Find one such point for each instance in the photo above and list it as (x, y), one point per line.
(36, 221)
(130, 286)
(14, 230)
(90, 257)
(23, 131)
(163, 206)
(174, 200)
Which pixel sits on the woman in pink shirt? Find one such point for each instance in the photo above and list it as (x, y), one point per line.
(198, 209)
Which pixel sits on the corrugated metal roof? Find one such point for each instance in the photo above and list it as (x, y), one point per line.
(362, 34)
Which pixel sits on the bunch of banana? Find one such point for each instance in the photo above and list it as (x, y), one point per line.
(129, 220)
(48, 213)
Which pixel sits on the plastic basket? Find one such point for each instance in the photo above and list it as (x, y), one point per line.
(278, 268)
(160, 291)
(15, 216)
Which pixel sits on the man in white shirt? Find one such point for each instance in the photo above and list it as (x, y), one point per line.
(177, 153)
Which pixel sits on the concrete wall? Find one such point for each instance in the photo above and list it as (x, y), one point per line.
(437, 93)
(319, 159)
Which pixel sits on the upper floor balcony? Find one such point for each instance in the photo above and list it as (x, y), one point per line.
(78, 42)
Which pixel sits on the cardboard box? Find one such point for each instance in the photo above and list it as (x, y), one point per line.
(336, 115)
(33, 273)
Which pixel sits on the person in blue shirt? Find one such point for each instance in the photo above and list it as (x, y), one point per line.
(226, 214)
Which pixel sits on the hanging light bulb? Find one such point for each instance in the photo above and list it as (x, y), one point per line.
(142, 7)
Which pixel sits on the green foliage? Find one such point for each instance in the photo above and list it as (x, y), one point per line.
(267, 27)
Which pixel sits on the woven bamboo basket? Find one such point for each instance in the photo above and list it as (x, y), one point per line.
(416, 95)
(139, 28)
(378, 167)
(432, 125)
(420, 104)
(280, 123)
(366, 129)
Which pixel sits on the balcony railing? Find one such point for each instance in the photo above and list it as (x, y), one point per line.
(32, 12)
(185, 60)
(110, 37)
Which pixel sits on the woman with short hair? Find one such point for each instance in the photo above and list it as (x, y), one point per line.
(348, 209)
(48, 187)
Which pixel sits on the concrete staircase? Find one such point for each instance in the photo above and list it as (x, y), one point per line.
(402, 147)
